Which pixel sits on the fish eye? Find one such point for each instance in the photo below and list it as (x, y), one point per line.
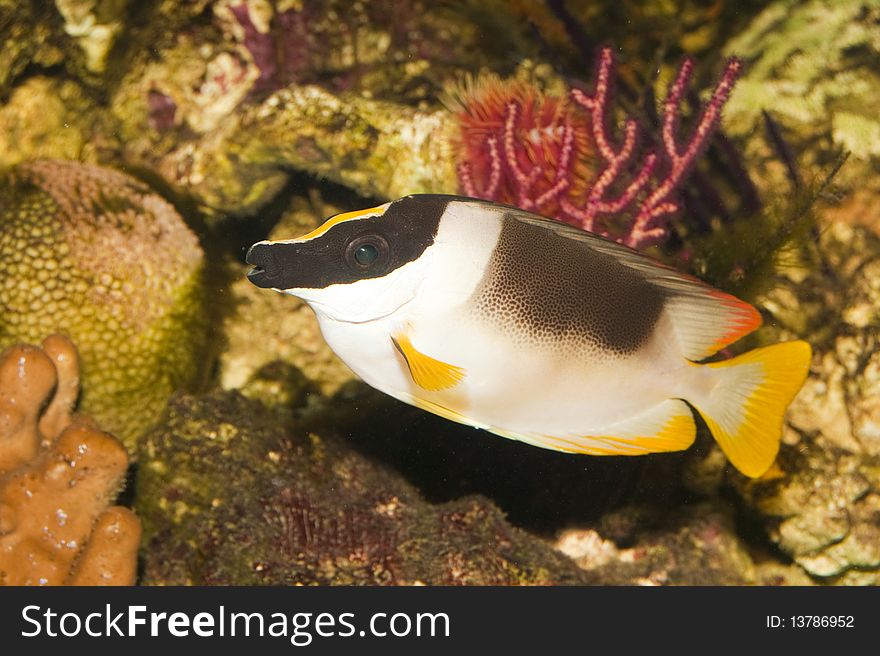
(367, 252)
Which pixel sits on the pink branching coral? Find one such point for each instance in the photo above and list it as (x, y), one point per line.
(557, 156)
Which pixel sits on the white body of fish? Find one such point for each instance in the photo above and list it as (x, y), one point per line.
(554, 392)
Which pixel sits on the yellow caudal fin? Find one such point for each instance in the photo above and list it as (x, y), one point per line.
(745, 409)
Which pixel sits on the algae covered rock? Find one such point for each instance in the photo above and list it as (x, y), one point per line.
(822, 503)
(265, 327)
(94, 26)
(29, 34)
(378, 149)
(94, 254)
(226, 103)
(823, 511)
(812, 66)
(46, 117)
(228, 495)
(698, 545)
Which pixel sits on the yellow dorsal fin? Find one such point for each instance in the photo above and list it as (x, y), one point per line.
(427, 372)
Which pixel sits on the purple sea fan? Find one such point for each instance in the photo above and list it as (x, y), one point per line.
(570, 167)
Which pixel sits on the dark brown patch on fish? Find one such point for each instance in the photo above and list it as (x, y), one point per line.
(559, 292)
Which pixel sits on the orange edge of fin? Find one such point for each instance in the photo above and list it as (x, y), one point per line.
(739, 328)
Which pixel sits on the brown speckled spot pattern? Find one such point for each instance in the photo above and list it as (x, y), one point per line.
(542, 289)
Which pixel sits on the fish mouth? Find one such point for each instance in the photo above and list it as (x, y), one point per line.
(267, 270)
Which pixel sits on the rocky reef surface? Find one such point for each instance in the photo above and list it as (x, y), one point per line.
(821, 506)
(813, 72)
(229, 495)
(288, 330)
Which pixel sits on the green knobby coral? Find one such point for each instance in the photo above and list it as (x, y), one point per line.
(93, 253)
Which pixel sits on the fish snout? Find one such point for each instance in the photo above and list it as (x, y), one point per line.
(267, 268)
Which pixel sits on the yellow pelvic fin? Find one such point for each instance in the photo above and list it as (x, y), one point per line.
(668, 426)
(746, 409)
(427, 372)
(379, 210)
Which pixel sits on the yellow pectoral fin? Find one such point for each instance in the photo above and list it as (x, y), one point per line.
(427, 372)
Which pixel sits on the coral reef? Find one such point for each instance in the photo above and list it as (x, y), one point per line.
(227, 107)
(315, 512)
(539, 153)
(94, 253)
(236, 162)
(342, 45)
(208, 93)
(58, 475)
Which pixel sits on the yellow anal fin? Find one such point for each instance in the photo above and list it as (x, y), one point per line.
(668, 426)
(427, 372)
(677, 434)
(746, 410)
